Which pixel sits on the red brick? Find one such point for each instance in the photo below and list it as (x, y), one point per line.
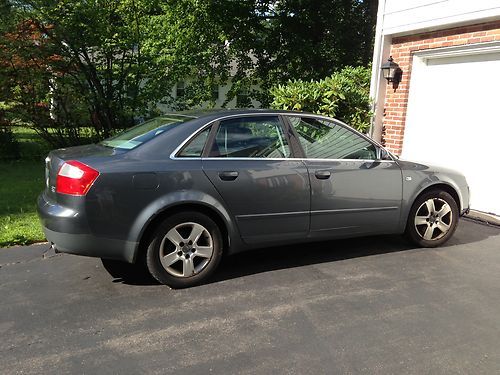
(487, 39)
(402, 50)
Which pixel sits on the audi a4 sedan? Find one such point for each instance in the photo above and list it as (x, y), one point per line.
(180, 191)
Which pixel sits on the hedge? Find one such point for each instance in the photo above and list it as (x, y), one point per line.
(344, 95)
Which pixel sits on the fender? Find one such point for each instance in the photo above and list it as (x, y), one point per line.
(428, 177)
(179, 198)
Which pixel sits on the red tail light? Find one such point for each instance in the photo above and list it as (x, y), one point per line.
(75, 178)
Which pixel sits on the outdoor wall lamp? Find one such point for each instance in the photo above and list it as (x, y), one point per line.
(391, 71)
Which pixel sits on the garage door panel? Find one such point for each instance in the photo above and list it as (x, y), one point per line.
(453, 120)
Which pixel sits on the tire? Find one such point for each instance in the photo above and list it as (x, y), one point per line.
(433, 219)
(185, 250)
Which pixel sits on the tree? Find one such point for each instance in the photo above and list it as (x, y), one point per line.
(184, 41)
(298, 39)
(67, 66)
(70, 64)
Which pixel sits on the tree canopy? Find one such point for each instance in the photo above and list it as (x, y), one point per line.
(71, 65)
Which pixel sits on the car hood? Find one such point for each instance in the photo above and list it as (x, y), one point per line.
(409, 165)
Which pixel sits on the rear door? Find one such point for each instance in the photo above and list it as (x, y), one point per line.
(249, 161)
(352, 191)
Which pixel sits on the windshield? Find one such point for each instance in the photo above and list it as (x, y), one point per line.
(144, 132)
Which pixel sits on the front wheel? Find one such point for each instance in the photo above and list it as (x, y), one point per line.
(433, 219)
(185, 250)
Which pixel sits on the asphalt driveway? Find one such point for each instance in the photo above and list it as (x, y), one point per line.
(373, 305)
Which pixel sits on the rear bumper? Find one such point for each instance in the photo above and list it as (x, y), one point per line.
(69, 232)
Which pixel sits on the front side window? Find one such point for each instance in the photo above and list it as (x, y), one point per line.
(323, 139)
(250, 137)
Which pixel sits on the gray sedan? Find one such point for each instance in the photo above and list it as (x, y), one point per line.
(180, 191)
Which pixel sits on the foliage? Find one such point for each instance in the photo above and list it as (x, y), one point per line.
(31, 145)
(71, 63)
(344, 95)
(67, 66)
(183, 43)
(296, 39)
(10, 146)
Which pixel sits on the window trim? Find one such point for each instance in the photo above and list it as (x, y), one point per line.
(295, 147)
(338, 123)
(211, 137)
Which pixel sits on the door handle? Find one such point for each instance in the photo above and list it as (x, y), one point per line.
(322, 175)
(228, 175)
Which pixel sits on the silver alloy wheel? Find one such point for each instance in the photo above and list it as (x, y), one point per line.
(186, 249)
(433, 219)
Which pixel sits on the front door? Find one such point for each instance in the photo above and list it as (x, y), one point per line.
(266, 191)
(352, 192)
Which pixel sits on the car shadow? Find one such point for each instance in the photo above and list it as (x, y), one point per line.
(298, 255)
(130, 274)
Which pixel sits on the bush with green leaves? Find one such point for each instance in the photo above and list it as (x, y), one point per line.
(344, 95)
(10, 146)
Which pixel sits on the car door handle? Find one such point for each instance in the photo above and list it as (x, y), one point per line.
(322, 175)
(228, 175)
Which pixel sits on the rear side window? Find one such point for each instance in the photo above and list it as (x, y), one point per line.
(194, 148)
(323, 139)
(250, 137)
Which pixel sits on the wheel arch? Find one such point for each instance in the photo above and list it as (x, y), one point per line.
(441, 186)
(222, 219)
(444, 187)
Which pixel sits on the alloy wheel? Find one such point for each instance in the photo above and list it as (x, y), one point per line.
(433, 219)
(186, 249)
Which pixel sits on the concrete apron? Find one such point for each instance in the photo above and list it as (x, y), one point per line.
(484, 217)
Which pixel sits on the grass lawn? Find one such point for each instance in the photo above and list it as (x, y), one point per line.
(31, 146)
(22, 181)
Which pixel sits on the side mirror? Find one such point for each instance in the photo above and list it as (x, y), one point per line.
(383, 154)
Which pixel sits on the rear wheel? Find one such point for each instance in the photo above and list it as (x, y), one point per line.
(433, 219)
(185, 250)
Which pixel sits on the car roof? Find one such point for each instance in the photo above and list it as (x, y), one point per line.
(210, 114)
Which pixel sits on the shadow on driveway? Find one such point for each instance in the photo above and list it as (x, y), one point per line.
(298, 255)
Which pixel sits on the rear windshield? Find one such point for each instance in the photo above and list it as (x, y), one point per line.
(144, 132)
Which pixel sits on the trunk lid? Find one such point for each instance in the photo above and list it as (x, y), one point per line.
(56, 159)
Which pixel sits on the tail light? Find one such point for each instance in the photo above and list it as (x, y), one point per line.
(75, 178)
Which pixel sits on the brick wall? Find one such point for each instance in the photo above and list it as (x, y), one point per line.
(402, 49)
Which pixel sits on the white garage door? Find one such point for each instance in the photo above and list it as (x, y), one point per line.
(453, 120)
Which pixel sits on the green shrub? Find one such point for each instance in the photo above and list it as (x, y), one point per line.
(345, 95)
(9, 149)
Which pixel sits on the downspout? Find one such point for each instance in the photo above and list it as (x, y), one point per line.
(377, 87)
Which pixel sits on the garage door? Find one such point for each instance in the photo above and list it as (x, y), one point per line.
(453, 120)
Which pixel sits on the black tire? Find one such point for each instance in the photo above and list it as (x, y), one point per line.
(192, 262)
(432, 229)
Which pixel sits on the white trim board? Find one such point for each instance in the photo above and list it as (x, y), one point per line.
(455, 51)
